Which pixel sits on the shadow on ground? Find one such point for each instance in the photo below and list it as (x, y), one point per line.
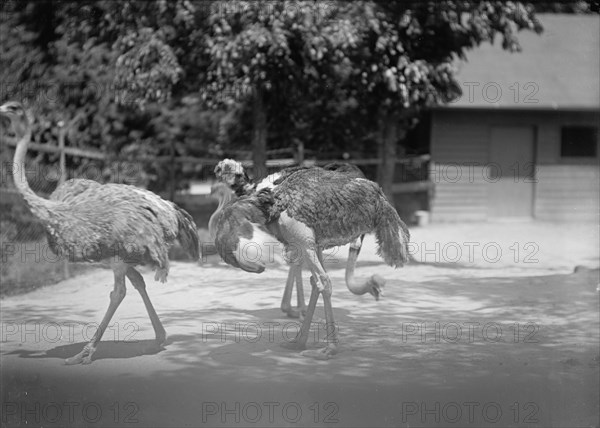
(504, 340)
(106, 350)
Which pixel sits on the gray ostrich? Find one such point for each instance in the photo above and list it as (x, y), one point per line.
(243, 186)
(93, 222)
(310, 209)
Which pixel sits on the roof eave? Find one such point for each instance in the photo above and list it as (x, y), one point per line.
(584, 108)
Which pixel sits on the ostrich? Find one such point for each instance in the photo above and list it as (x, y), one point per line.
(93, 222)
(310, 209)
(242, 185)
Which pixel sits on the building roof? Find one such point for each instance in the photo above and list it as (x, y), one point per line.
(558, 69)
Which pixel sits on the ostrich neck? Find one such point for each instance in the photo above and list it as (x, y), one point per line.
(38, 205)
(243, 187)
(223, 199)
(212, 226)
(353, 286)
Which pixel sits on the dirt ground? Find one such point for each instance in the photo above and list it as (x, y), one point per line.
(488, 326)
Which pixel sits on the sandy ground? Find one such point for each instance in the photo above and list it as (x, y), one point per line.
(488, 326)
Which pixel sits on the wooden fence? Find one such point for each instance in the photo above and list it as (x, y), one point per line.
(401, 186)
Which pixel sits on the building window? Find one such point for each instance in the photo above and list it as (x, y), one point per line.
(579, 141)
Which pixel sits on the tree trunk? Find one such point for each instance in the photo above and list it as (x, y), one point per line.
(63, 177)
(259, 137)
(388, 142)
(172, 186)
(393, 128)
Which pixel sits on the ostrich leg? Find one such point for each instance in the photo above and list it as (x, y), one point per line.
(326, 290)
(138, 282)
(300, 292)
(116, 297)
(302, 337)
(294, 276)
(286, 305)
(320, 284)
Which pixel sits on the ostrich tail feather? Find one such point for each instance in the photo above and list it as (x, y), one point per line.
(392, 236)
(188, 234)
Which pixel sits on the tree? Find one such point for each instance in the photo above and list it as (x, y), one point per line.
(568, 6)
(273, 56)
(328, 74)
(392, 58)
(121, 65)
(403, 61)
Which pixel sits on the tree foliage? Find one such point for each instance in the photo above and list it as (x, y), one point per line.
(120, 64)
(202, 77)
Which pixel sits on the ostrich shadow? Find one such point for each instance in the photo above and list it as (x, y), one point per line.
(106, 349)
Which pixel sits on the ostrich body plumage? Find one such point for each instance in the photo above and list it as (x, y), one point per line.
(92, 222)
(339, 209)
(239, 222)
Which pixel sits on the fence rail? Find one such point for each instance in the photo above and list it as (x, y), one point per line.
(283, 162)
(418, 182)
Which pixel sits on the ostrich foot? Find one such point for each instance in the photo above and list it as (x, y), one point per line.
(161, 338)
(302, 314)
(159, 333)
(321, 354)
(84, 357)
(376, 284)
(295, 312)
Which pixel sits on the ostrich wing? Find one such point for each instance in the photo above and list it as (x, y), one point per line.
(242, 224)
(110, 220)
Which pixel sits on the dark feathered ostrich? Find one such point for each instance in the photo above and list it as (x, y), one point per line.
(93, 222)
(243, 186)
(310, 209)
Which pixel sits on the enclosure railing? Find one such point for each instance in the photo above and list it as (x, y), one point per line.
(418, 180)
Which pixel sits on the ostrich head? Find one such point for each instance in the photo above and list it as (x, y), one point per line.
(17, 116)
(232, 173)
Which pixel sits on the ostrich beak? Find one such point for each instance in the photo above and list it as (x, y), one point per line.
(3, 110)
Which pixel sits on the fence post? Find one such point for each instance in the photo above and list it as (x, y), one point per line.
(300, 153)
(63, 177)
